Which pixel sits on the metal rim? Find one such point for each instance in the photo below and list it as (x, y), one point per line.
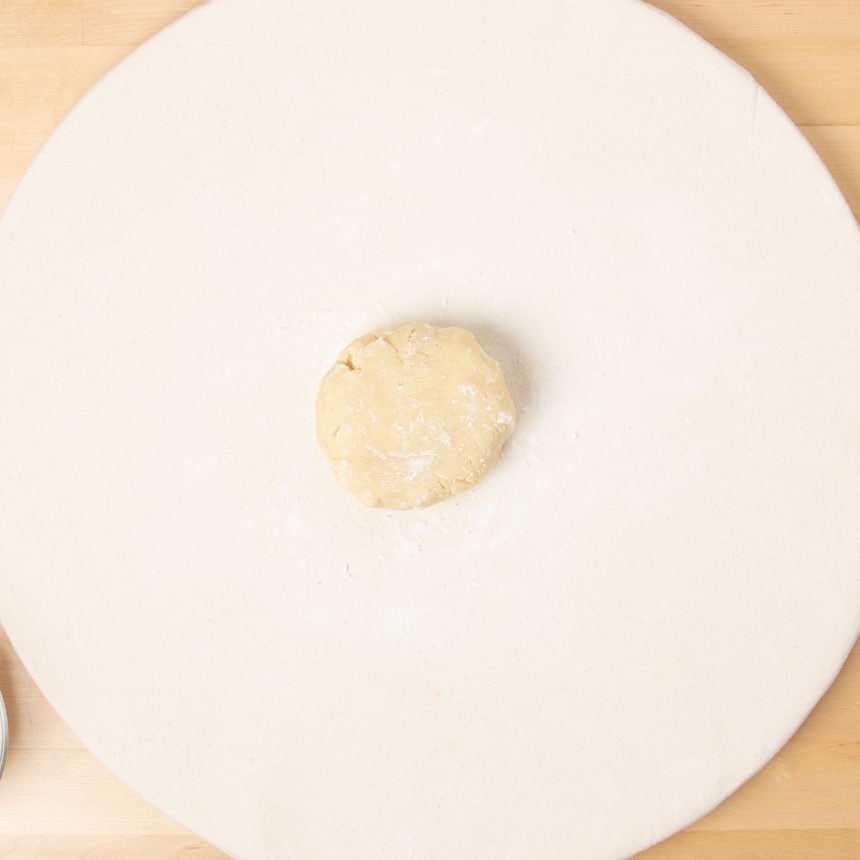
(4, 734)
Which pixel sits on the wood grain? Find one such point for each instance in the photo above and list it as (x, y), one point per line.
(58, 803)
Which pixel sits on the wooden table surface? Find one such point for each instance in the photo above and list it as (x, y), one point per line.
(57, 801)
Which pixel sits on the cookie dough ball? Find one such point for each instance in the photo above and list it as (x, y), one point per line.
(410, 416)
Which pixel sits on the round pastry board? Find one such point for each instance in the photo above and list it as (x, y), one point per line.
(636, 608)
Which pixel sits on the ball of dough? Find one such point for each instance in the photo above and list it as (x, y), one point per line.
(410, 416)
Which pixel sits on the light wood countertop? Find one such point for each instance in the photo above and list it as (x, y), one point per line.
(57, 801)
